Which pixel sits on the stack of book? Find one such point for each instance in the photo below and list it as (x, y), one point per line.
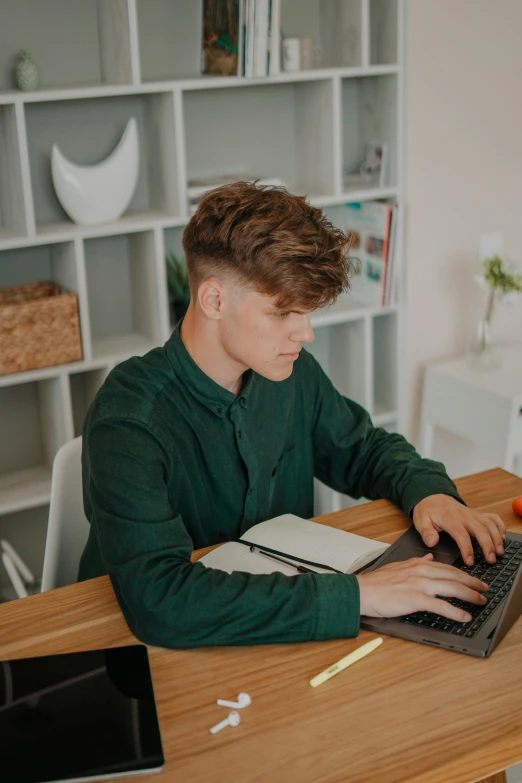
(198, 187)
(241, 37)
(374, 224)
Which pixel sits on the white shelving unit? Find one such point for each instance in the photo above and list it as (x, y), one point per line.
(140, 58)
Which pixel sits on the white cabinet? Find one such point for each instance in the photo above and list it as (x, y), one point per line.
(140, 58)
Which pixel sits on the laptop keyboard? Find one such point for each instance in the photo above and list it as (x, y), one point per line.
(499, 576)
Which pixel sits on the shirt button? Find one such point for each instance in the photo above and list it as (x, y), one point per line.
(220, 410)
(250, 491)
(239, 433)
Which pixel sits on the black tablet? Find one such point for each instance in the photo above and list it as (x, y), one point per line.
(78, 716)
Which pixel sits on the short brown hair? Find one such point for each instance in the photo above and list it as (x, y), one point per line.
(265, 237)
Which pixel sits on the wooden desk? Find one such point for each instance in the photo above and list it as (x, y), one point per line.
(407, 713)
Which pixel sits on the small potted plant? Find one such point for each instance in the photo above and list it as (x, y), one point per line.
(503, 285)
(178, 286)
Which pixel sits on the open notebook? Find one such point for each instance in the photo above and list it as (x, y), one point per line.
(291, 537)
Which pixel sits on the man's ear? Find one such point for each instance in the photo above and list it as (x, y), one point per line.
(211, 298)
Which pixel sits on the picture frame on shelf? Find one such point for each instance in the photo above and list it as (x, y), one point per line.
(373, 170)
(375, 160)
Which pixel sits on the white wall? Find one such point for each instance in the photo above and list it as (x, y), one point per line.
(464, 178)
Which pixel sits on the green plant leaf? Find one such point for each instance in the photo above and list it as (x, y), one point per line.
(498, 278)
(177, 280)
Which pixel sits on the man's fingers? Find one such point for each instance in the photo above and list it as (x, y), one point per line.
(450, 589)
(497, 521)
(445, 609)
(488, 532)
(463, 539)
(483, 535)
(448, 572)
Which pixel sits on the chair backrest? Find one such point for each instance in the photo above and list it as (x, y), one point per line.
(68, 527)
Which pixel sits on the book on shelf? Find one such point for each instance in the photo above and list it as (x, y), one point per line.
(287, 543)
(197, 187)
(261, 38)
(274, 50)
(391, 276)
(241, 37)
(372, 222)
(249, 10)
(221, 37)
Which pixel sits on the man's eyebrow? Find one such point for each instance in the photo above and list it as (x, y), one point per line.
(290, 309)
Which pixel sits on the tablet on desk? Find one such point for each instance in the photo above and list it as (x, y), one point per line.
(81, 716)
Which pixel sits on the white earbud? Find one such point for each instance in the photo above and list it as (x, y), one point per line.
(243, 700)
(234, 719)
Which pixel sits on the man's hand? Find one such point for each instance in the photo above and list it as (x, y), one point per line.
(414, 586)
(442, 512)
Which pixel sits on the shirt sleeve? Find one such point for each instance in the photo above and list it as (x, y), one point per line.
(166, 599)
(360, 460)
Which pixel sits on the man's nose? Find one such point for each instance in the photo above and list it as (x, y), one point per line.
(304, 332)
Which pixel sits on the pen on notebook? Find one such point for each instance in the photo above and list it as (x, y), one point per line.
(268, 550)
(300, 568)
(335, 668)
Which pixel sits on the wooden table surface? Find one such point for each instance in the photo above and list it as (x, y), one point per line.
(407, 713)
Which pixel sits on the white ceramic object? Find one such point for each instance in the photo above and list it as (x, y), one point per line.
(99, 193)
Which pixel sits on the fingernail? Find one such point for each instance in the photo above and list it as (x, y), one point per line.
(431, 540)
(492, 558)
(469, 560)
(467, 618)
(500, 550)
(484, 584)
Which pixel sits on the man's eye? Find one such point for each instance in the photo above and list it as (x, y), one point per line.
(281, 315)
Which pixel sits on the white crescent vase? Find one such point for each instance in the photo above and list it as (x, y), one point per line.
(102, 192)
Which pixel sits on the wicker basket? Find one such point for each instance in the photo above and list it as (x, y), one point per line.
(39, 327)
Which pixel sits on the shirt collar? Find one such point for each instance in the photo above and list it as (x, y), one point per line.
(207, 391)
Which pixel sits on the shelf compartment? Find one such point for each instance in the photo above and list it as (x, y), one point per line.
(87, 131)
(28, 488)
(84, 386)
(346, 308)
(73, 43)
(34, 424)
(280, 130)
(12, 209)
(172, 239)
(369, 113)
(56, 262)
(169, 34)
(384, 364)
(364, 292)
(123, 295)
(26, 531)
(341, 351)
(334, 25)
(384, 29)
(167, 31)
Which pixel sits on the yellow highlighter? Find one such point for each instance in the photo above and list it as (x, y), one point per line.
(335, 668)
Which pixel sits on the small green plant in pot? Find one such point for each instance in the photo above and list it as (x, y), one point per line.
(503, 284)
(178, 286)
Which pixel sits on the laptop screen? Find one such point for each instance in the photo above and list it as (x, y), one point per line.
(78, 716)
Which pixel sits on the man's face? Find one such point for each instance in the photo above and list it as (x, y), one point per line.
(258, 335)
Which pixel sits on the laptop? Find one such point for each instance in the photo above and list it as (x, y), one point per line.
(490, 622)
(82, 716)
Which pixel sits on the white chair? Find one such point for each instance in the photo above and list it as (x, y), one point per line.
(68, 526)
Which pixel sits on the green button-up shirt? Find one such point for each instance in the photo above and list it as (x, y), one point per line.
(172, 461)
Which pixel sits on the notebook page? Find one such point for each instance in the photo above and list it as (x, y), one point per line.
(238, 557)
(312, 541)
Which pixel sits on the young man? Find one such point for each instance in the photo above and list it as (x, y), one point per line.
(226, 426)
